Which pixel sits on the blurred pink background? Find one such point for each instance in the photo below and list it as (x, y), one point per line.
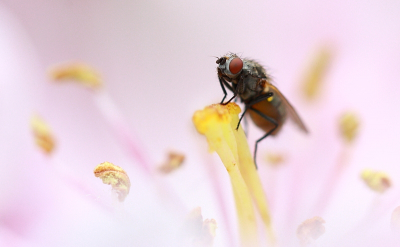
(157, 59)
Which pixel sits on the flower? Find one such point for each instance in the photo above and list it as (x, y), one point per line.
(157, 67)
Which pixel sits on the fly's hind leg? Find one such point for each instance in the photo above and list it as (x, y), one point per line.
(255, 101)
(273, 121)
(241, 117)
(246, 126)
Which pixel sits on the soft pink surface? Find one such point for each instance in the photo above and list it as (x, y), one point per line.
(156, 58)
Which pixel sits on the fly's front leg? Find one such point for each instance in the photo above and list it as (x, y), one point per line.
(240, 87)
(223, 83)
(234, 93)
(223, 89)
(273, 121)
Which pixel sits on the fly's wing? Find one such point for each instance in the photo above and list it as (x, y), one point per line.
(289, 108)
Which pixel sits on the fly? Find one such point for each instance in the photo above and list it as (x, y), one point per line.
(268, 107)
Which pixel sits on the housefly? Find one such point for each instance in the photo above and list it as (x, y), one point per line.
(265, 104)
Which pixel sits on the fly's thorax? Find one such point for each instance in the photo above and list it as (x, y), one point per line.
(255, 68)
(247, 96)
(252, 86)
(251, 90)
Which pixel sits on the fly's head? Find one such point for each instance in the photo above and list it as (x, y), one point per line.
(230, 65)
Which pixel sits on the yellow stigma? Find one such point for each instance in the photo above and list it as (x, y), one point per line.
(214, 122)
(42, 133)
(114, 176)
(377, 181)
(78, 72)
(218, 123)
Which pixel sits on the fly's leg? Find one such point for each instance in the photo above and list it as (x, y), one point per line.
(273, 121)
(223, 89)
(229, 99)
(223, 83)
(255, 101)
(245, 121)
(246, 127)
(241, 117)
(239, 89)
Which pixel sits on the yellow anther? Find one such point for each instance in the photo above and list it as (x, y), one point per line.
(173, 162)
(275, 159)
(43, 135)
(78, 72)
(114, 176)
(316, 73)
(349, 125)
(310, 230)
(377, 181)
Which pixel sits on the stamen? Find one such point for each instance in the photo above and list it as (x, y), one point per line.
(310, 230)
(201, 233)
(43, 135)
(173, 162)
(349, 126)
(275, 159)
(316, 72)
(114, 176)
(395, 220)
(377, 181)
(78, 72)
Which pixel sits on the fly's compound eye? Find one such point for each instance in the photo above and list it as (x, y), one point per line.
(236, 65)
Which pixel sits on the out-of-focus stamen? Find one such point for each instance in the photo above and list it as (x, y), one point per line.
(377, 181)
(201, 233)
(78, 72)
(310, 230)
(275, 159)
(173, 162)
(395, 220)
(43, 135)
(114, 176)
(349, 126)
(316, 72)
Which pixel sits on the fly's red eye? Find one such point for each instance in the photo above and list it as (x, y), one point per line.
(235, 65)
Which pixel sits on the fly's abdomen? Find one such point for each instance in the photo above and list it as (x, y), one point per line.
(272, 108)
